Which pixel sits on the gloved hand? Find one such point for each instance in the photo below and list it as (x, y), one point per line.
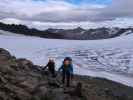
(44, 68)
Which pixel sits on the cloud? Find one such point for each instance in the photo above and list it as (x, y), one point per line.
(58, 13)
(50, 10)
(118, 9)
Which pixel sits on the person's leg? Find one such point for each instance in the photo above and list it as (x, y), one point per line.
(50, 71)
(63, 76)
(53, 73)
(68, 79)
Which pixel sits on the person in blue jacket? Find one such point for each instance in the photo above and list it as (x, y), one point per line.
(67, 70)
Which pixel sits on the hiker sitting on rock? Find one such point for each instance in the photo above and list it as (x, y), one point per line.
(51, 67)
(67, 70)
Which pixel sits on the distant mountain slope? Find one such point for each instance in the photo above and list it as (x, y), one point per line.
(76, 34)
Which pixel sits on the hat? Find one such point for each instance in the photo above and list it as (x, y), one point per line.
(68, 58)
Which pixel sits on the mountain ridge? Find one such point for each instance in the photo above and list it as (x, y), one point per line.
(72, 34)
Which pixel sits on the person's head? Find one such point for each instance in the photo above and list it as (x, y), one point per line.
(51, 60)
(67, 62)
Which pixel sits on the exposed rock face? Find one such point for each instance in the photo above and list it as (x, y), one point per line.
(20, 79)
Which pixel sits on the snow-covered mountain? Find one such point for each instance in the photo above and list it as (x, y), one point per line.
(108, 58)
(73, 34)
(90, 34)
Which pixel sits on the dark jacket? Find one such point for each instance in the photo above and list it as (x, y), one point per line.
(50, 66)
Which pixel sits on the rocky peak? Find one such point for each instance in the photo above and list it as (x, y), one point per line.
(79, 29)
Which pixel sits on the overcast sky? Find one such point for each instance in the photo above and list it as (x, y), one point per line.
(44, 14)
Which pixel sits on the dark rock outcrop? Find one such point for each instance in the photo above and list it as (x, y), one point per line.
(20, 79)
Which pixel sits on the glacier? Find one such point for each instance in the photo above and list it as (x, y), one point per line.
(107, 58)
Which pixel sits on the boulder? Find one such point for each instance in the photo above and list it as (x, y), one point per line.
(78, 90)
(4, 54)
(53, 82)
(24, 64)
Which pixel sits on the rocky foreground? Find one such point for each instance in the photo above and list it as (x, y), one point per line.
(20, 79)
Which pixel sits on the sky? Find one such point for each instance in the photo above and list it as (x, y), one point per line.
(43, 14)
